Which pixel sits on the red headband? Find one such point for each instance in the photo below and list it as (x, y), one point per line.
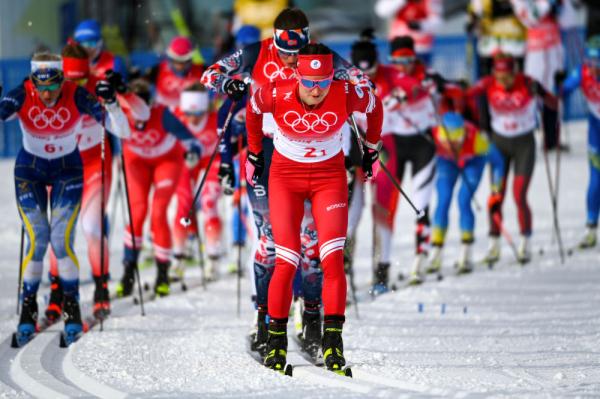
(504, 64)
(76, 68)
(403, 52)
(315, 65)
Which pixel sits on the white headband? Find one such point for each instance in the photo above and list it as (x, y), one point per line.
(194, 101)
(37, 65)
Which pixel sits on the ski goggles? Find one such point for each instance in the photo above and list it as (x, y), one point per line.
(321, 83)
(403, 60)
(90, 43)
(46, 87)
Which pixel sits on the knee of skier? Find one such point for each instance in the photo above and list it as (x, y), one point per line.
(40, 236)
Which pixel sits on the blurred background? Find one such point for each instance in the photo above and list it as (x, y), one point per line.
(139, 31)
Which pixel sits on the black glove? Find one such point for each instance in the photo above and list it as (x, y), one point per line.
(369, 158)
(106, 92)
(414, 25)
(559, 79)
(116, 81)
(235, 89)
(227, 178)
(255, 166)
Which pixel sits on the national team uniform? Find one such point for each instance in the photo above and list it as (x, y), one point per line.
(206, 133)
(514, 115)
(308, 164)
(170, 84)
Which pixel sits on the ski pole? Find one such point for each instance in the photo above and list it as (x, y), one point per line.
(133, 244)
(553, 200)
(20, 267)
(200, 249)
(186, 221)
(241, 186)
(102, 224)
(385, 169)
(116, 198)
(506, 235)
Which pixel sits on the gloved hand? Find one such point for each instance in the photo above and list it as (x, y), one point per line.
(495, 202)
(235, 89)
(106, 92)
(116, 81)
(227, 178)
(192, 155)
(255, 166)
(414, 25)
(369, 158)
(559, 79)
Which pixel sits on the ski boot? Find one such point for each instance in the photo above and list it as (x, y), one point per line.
(333, 346)
(589, 239)
(493, 253)
(380, 279)
(125, 286)
(212, 268)
(54, 308)
(259, 342)
(73, 325)
(311, 333)
(524, 253)
(416, 273)
(101, 297)
(27, 322)
(464, 264)
(277, 347)
(435, 264)
(161, 286)
(178, 269)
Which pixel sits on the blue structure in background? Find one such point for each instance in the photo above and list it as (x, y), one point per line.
(451, 57)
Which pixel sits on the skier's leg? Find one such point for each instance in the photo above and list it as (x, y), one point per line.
(32, 202)
(593, 193)
(447, 173)
(184, 195)
(499, 165)
(329, 199)
(385, 203)
(67, 188)
(524, 156)
(139, 183)
(209, 204)
(164, 183)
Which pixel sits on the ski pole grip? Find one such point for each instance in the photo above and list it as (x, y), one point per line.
(185, 221)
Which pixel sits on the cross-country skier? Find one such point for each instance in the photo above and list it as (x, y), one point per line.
(264, 62)
(153, 159)
(406, 91)
(498, 30)
(513, 102)
(461, 153)
(196, 113)
(308, 164)
(544, 56)
(176, 72)
(76, 69)
(89, 34)
(415, 18)
(49, 110)
(588, 78)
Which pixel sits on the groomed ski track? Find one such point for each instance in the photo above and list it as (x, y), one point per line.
(509, 332)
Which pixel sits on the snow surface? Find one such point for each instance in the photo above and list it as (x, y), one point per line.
(514, 331)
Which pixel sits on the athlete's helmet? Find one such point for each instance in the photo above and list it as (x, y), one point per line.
(246, 35)
(402, 50)
(88, 31)
(180, 49)
(291, 40)
(364, 51)
(47, 75)
(453, 126)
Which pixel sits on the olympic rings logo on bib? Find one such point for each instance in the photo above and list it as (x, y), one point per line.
(145, 138)
(272, 71)
(310, 121)
(55, 119)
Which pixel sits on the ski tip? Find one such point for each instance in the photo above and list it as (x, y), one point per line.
(569, 251)
(440, 277)
(14, 342)
(63, 341)
(348, 372)
(289, 370)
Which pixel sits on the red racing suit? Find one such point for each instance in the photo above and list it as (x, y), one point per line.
(308, 164)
